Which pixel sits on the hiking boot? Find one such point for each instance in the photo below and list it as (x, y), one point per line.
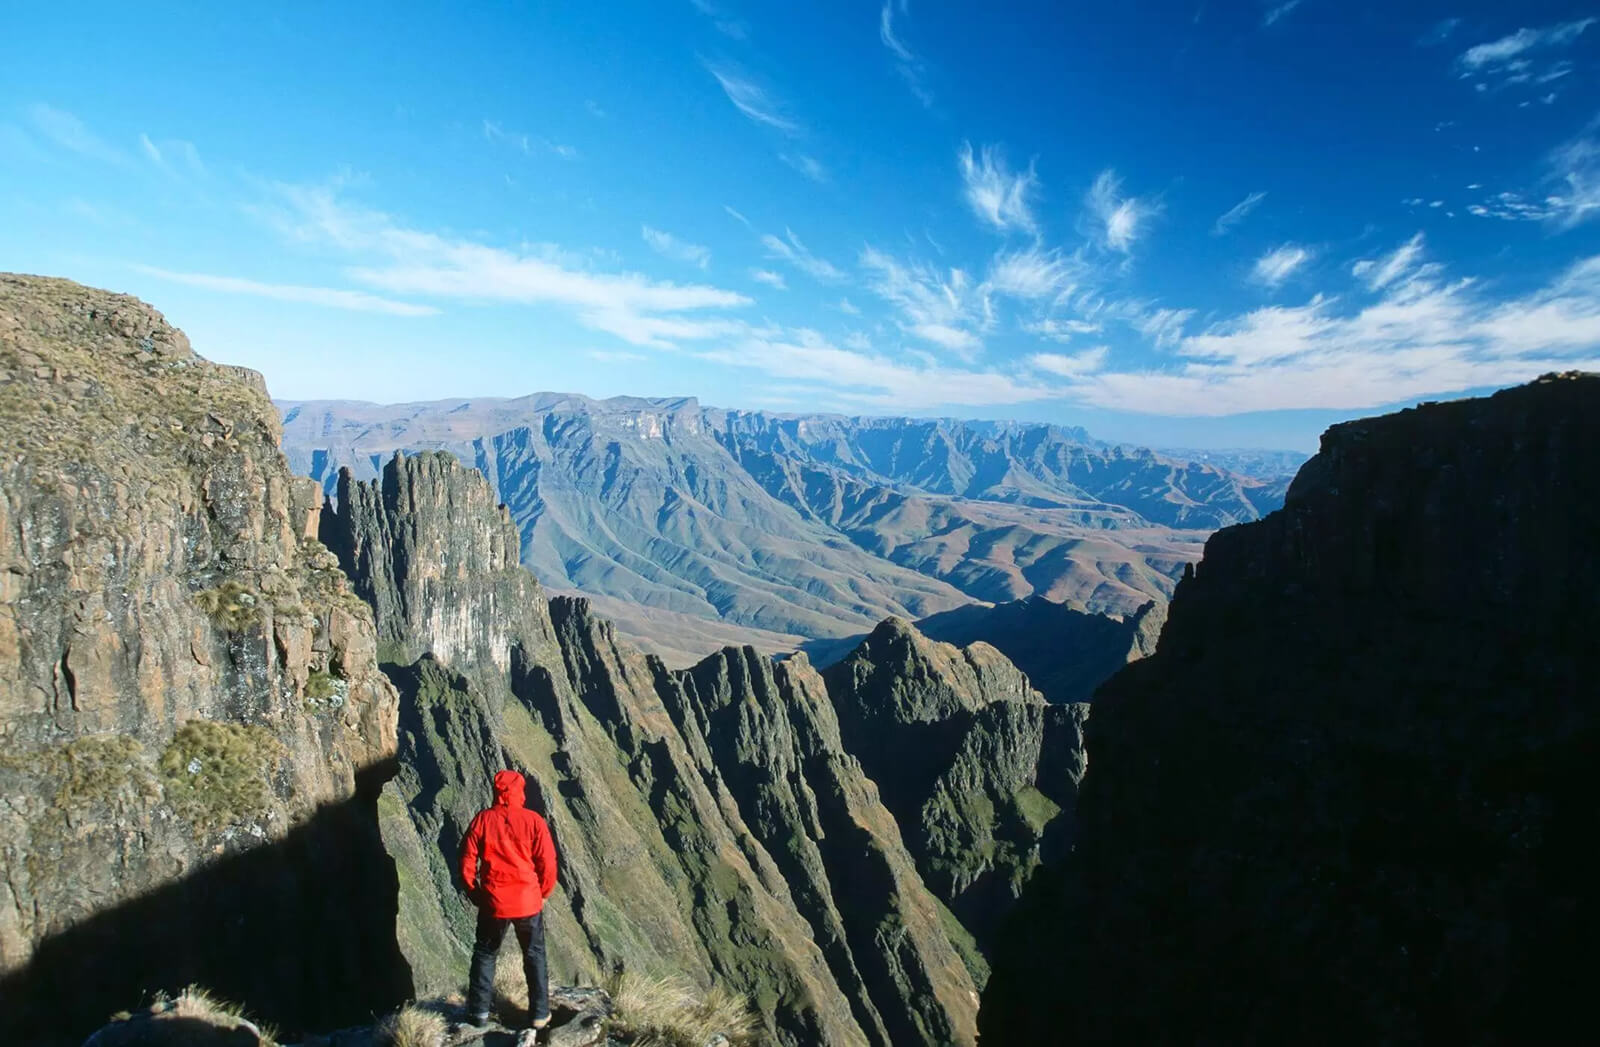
(472, 1021)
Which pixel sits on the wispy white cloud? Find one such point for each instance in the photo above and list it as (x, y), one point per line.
(1422, 335)
(1118, 220)
(806, 165)
(670, 246)
(737, 217)
(1575, 171)
(1378, 273)
(525, 143)
(1164, 327)
(168, 154)
(943, 308)
(389, 257)
(796, 254)
(1278, 10)
(996, 194)
(770, 278)
(727, 25)
(1059, 330)
(1439, 32)
(886, 32)
(1279, 263)
(66, 131)
(1074, 365)
(358, 301)
(1033, 272)
(1237, 213)
(849, 308)
(1513, 59)
(753, 100)
(910, 67)
(871, 379)
(1509, 47)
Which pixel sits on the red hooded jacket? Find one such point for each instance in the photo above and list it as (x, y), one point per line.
(508, 852)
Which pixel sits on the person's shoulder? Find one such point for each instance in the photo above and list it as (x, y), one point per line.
(534, 818)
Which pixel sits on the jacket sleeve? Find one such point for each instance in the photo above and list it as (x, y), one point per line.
(471, 846)
(544, 857)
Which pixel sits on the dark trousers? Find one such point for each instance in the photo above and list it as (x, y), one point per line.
(530, 936)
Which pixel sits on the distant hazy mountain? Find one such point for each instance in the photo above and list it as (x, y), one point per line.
(1246, 461)
(802, 525)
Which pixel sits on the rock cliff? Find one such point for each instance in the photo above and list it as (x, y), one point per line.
(978, 769)
(189, 694)
(1351, 797)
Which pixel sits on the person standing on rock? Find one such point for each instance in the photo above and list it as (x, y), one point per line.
(508, 863)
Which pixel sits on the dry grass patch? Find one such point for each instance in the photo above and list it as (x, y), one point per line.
(411, 1027)
(668, 1011)
(193, 1018)
(220, 773)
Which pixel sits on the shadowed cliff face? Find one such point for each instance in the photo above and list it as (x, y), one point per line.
(185, 679)
(978, 769)
(1363, 760)
(681, 849)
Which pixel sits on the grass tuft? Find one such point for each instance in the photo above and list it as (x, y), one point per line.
(411, 1027)
(231, 605)
(668, 1011)
(220, 773)
(193, 1018)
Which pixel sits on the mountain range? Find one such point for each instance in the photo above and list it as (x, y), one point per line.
(696, 527)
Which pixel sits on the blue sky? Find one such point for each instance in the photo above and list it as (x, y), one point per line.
(1199, 223)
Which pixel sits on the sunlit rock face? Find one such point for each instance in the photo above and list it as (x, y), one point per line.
(1351, 797)
(189, 693)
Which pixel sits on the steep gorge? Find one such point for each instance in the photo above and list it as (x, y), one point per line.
(702, 817)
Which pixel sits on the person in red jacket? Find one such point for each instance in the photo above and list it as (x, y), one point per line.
(508, 864)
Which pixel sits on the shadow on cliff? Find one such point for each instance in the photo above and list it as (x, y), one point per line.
(300, 931)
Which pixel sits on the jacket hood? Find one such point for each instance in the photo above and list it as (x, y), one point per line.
(508, 789)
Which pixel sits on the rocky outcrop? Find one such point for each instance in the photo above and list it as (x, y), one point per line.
(677, 855)
(770, 733)
(1351, 796)
(189, 696)
(980, 772)
(1065, 652)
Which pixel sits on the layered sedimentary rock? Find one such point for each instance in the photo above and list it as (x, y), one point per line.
(1352, 796)
(980, 772)
(188, 691)
(681, 850)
